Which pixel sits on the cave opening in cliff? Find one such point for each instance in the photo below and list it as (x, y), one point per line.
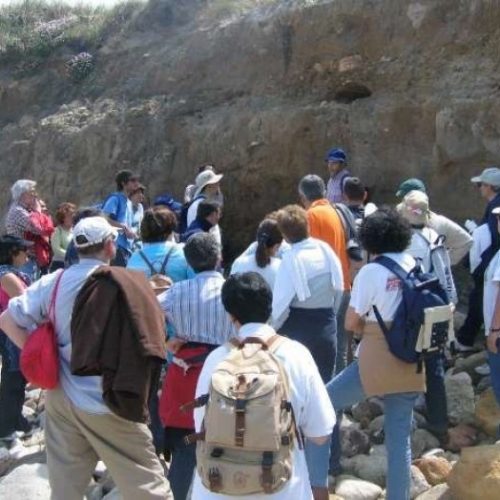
(350, 92)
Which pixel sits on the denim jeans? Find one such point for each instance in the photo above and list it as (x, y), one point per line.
(344, 391)
(494, 362)
(182, 465)
(343, 336)
(12, 387)
(435, 397)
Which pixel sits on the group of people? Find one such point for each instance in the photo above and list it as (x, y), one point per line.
(145, 318)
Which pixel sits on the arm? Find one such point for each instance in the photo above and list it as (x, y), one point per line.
(110, 209)
(15, 333)
(40, 224)
(12, 285)
(353, 321)
(56, 242)
(495, 325)
(458, 240)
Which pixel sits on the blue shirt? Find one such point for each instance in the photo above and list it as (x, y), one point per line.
(177, 267)
(119, 208)
(32, 308)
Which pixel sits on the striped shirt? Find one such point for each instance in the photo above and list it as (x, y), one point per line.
(194, 307)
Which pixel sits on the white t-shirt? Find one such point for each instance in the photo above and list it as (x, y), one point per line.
(311, 404)
(247, 263)
(491, 287)
(375, 285)
(191, 216)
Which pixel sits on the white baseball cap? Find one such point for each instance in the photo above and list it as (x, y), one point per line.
(91, 231)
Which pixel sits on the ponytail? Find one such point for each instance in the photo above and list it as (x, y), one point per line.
(268, 235)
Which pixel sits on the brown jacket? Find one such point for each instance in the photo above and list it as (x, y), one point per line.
(118, 331)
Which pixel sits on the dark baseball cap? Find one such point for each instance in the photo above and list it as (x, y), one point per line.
(11, 241)
(408, 185)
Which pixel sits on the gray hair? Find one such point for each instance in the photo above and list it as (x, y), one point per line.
(312, 187)
(20, 187)
(202, 252)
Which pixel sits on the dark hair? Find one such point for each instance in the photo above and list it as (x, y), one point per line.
(354, 189)
(268, 235)
(157, 224)
(122, 177)
(247, 297)
(85, 212)
(385, 231)
(202, 252)
(64, 209)
(92, 249)
(312, 187)
(8, 252)
(292, 222)
(206, 208)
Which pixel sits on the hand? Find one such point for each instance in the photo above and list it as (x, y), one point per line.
(470, 225)
(37, 206)
(173, 345)
(128, 232)
(491, 342)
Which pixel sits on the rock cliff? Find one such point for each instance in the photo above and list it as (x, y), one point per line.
(408, 88)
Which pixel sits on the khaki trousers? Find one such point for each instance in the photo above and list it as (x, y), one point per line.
(76, 440)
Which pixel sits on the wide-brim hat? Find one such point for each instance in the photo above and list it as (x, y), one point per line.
(204, 179)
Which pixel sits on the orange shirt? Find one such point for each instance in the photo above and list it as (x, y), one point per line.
(325, 224)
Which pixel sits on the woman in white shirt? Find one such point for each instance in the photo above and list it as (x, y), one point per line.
(378, 372)
(491, 313)
(308, 286)
(264, 262)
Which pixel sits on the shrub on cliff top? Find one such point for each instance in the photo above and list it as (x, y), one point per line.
(37, 27)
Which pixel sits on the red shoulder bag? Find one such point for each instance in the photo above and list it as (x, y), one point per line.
(39, 360)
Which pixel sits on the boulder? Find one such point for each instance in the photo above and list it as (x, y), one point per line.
(353, 488)
(435, 469)
(365, 411)
(419, 484)
(439, 492)
(421, 441)
(114, 494)
(476, 476)
(5, 460)
(354, 441)
(484, 383)
(469, 363)
(460, 437)
(26, 482)
(460, 398)
(371, 468)
(488, 413)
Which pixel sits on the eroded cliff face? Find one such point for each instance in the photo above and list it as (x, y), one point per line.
(408, 88)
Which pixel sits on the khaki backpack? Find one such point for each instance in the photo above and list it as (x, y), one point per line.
(247, 439)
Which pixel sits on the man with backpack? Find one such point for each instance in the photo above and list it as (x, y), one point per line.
(207, 217)
(263, 393)
(336, 162)
(118, 209)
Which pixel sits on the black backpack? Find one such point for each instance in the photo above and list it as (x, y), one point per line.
(182, 226)
(423, 320)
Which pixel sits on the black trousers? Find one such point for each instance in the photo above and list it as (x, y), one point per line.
(474, 320)
(12, 388)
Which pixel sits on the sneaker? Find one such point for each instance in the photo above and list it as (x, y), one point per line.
(483, 370)
(462, 347)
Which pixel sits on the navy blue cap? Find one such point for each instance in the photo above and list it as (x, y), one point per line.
(337, 155)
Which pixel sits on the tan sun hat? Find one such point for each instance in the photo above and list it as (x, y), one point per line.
(415, 208)
(204, 179)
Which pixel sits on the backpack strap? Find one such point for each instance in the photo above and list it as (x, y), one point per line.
(52, 309)
(163, 267)
(152, 270)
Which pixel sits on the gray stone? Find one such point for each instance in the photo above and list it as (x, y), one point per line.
(5, 460)
(26, 482)
(421, 441)
(114, 494)
(484, 384)
(419, 484)
(460, 398)
(354, 441)
(365, 411)
(439, 492)
(371, 468)
(352, 488)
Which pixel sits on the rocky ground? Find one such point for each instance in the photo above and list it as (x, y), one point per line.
(466, 468)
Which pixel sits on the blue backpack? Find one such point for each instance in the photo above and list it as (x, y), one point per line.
(421, 291)
(183, 225)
